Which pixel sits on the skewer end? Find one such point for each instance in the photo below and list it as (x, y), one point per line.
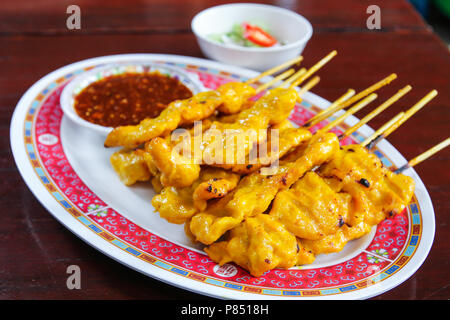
(401, 169)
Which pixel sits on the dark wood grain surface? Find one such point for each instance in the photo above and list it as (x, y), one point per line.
(35, 249)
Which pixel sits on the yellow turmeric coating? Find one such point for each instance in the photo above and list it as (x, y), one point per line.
(305, 209)
(132, 165)
(176, 170)
(311, 209)
(255, 192)
(177, 205)
(258, 244)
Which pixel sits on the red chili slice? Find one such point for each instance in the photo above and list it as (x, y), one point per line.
(258, 36)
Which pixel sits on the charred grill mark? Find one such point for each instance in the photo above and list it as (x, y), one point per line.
(341, 221)
(364, 182)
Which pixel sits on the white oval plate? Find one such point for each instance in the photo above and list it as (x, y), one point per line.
(67, 169)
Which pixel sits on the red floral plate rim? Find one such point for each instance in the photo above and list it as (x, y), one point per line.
(398, 248)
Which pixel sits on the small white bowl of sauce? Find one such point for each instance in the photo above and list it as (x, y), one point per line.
(291, 30)
(125, 93)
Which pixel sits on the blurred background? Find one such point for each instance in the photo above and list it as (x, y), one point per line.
(437, 14)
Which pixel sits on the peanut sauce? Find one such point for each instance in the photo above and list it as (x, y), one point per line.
(128, 98)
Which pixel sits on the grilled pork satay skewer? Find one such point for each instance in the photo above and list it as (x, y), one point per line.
(135, 172)
(191, 170)
(424, 156)
(176, 175)
(179, 204)
(226, 98)
(398, 193)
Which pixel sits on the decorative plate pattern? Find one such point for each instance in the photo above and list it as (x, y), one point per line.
(394, 243)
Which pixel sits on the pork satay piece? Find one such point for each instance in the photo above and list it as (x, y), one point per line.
(215, 187)
(310, 209)
(255, 191)
(181, 170)
(234, 96)
(288, 139)
(376, 194)
(258, 244)
(176, 170)
(177, 205)
(133, 165)
(229, 144)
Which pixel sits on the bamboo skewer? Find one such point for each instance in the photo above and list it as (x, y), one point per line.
(408, 114)
(427, 154)
(335, 106)
(380, 131)
(308, 86)
(370, 89)
(282, 76)
(376, 111)
(346, 101)
(314, 69)
(358, 106)
(275, 69)
(294, 77)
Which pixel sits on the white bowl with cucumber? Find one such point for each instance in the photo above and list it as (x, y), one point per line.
(254, 36)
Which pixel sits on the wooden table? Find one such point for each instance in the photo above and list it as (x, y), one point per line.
(35, 249)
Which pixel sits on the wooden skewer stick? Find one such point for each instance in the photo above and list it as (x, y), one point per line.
(377, 111)
(314, 69)
(369, 90)
(380, 131)
(325, 113)
(275, 69)
(345, 102)
(282, 76)
(308, 86)
(411, 163)
(358, 106)
(294, 77)
(409, 113)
